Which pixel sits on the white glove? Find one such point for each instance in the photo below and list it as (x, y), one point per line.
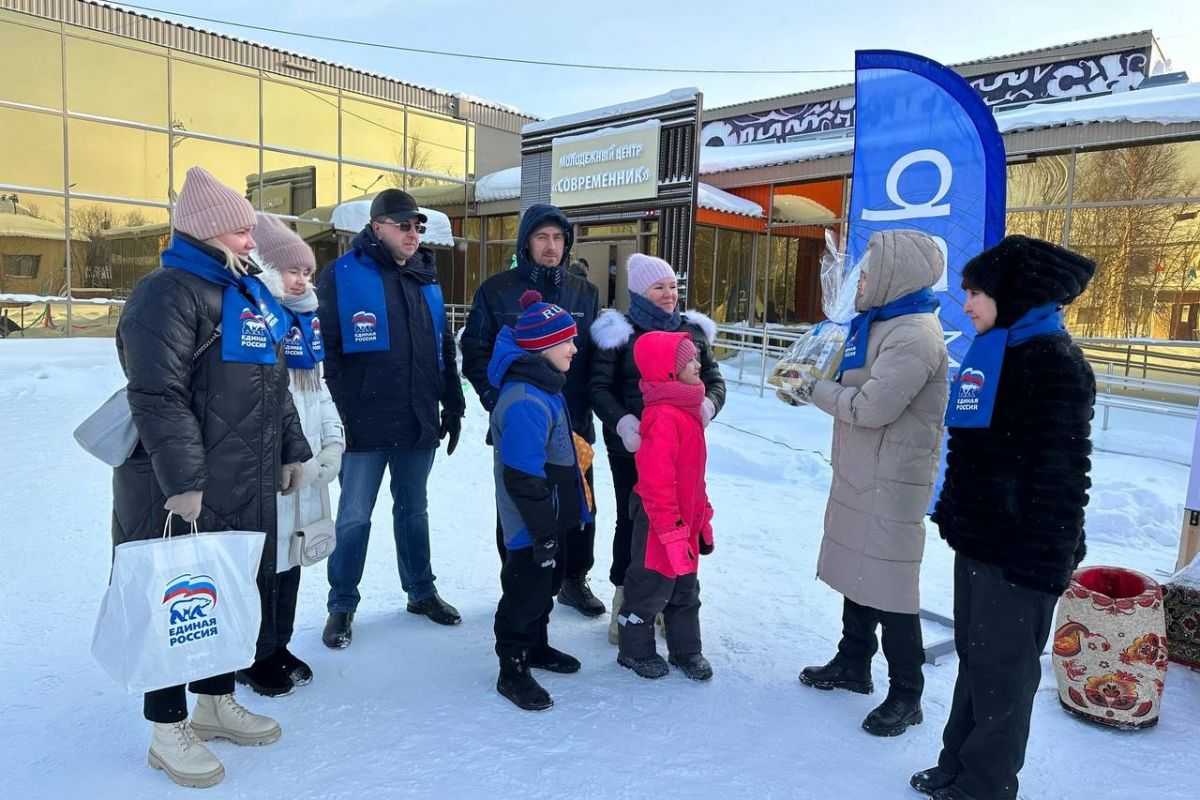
(708, 410)
(289, 478)
(186, 505)
(329, 461)
(628, 428)
(310, 473)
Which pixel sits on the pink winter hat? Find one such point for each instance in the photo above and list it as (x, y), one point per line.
(645, 271)
(684, 353)
(206, 207)
(280, 246)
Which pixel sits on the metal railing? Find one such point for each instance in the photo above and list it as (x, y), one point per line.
(1145, 375)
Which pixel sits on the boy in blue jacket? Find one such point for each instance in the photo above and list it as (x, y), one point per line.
(538, 491)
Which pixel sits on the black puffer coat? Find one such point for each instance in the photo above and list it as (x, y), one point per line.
(615, 376)
(221, 428)
(1014, 492)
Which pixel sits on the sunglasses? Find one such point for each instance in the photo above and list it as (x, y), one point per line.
(404, 226)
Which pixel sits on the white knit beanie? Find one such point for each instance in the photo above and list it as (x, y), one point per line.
(645, 271)
(206, 207)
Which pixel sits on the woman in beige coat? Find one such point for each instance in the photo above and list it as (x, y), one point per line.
(888, 407)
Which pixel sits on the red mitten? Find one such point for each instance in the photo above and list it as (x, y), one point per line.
(679, 550)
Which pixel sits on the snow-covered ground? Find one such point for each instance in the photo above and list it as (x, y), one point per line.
(410, 710)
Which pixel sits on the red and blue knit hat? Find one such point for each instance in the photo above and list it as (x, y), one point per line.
(542, 325)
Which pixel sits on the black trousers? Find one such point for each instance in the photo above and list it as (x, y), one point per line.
(1000, 630)
(576, 548)
(649, 593)
(902, 646)
(170, 704)
(523, 613)
(624, 475)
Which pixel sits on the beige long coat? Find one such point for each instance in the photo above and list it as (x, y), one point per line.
(887, 436)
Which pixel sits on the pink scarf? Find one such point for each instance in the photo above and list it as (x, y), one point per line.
(689, 397)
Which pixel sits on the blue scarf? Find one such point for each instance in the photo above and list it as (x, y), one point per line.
(252, 321)
(303, 345)
(922, 301)
(362, 308)
(650, 317)
(973, 394)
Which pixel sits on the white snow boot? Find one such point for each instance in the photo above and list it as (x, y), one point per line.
(613, 627)
(175, 750)
(222, 717)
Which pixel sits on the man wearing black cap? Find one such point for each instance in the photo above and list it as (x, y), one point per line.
(1012, 504)
(390, 366)
(543, 252)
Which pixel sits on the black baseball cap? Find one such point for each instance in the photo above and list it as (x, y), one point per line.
(396, 205)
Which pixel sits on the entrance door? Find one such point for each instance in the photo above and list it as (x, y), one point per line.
(606, 269)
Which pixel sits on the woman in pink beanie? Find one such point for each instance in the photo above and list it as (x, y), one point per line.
(616, 386)
(200, 342)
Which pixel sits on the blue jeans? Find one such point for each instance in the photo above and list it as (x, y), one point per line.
(361, 477)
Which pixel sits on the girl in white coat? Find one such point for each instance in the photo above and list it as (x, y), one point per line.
(288, 265)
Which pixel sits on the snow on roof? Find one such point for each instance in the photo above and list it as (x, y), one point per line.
(715, 199)
(1165, 105)
(582, 137)
(28, 227)
(617, 110)
(496, 186)
(353, 215)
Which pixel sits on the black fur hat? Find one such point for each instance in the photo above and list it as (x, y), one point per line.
(1021, 273)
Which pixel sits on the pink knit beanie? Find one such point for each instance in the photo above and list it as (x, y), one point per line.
(684, 353)
(206, 207)
(280, 246)
(645, 271)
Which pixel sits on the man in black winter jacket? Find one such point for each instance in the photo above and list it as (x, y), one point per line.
(543, 252)
(390, 366)
(1012, 506)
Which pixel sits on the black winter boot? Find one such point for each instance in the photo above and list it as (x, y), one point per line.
(649, 667)
(338, 630)
(266, 677)
(693, 665)
(519, 686)
(928, 781)
(436, 609)
(300, 673)
(834, 675)
(576, 593)
(547, 658)
(952, 792)
(893, 716)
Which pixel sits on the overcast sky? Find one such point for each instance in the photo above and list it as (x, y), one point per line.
(701, 34)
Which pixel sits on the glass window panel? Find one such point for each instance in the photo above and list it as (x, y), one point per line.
(1047, 225)
(1146, 259)
(295, 185)
(39, 54)
(31, 149)
(100, 78)
(499, 257)
(214, 100)
(474, 275)
(1157, 171)
(373, 132)
(32, 247)
(299, 117)
(1040, 182)
(505, 226)
(231, 164)
(473, 228)
(436, 145)
(122, 247)
(358, 181)
(471, 151)
(116, 161)
(700, 283)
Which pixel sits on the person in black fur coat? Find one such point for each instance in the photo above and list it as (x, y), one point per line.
(1012, 505)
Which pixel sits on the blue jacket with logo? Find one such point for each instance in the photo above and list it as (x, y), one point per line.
(390, 399)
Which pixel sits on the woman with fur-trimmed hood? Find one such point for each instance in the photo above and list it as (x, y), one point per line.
(288, 265)
(617, 398)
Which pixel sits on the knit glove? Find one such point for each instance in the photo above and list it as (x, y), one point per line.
(329, 460)
(186, 505)
(451, 426)
(628, 428)
(708, 410)
(310, 473)
(679, 550)
(545, 550)
(289, 478)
